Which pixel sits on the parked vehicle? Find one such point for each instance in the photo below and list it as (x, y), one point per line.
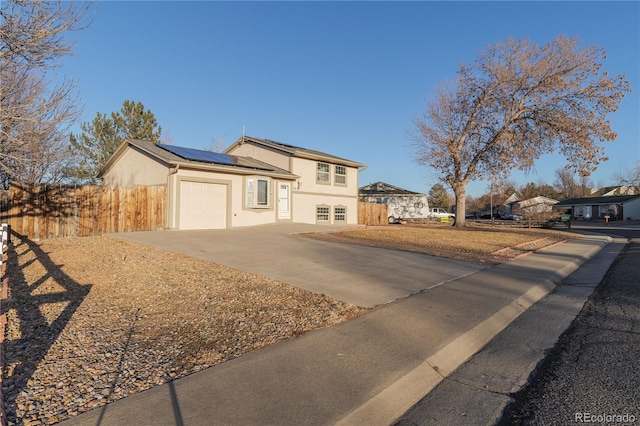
(403, 208)
(419, 210)
(511, 216)
(438, 212)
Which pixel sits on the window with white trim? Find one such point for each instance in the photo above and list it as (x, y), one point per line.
(339, 214)
(258, 194)
(341, 175)
(322, 213)
(322, 173)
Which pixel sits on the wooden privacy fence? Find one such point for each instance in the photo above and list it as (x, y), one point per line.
(372, 213)
(55, 211)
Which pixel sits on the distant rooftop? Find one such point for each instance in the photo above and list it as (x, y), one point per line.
(384, 189)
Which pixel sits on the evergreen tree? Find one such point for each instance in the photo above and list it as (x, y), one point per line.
(102, 136)
(133, 122)
(439, 197)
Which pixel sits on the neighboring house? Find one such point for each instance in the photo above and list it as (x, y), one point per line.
(254, 182)
(614, 190)
(616, 207)
(401, 203)
(533, 206)
(508, 205)
(528, 207)
(512, 199)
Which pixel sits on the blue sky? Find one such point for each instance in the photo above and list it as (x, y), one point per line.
(346, 78)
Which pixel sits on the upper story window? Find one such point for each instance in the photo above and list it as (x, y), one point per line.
(341, 175)
(322, 173)
(257, 193)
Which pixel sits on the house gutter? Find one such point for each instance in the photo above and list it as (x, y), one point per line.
(173, 169)
(244, 171)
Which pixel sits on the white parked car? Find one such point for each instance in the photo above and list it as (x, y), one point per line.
(438, 212)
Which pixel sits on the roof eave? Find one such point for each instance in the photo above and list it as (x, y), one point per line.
(112, 158)
(234, 169)
(329, 159)
(296, 152)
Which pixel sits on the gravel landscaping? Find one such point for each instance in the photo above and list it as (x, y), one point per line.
(92, 320)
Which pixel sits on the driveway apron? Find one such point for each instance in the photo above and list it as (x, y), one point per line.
(363, 276)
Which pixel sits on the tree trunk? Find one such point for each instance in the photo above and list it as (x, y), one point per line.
(460, 192)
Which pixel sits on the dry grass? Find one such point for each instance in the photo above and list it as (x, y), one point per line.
(471, 244)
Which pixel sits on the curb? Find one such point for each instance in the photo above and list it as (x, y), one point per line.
(392, 402)
(480, 390)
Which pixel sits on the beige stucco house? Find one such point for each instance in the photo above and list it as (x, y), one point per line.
(254, 182)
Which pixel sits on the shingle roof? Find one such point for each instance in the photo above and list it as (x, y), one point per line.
(620, 189)
(163, 153)
(297, 151)
(384, 189)
(536, 201)
(612, 199)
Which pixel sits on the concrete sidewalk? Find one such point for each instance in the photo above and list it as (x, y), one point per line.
(479, 390)
(369, 370)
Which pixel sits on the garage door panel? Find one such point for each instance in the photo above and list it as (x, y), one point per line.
(203, 205)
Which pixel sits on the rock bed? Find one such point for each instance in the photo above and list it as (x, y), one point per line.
(92, 320)
(529, 247)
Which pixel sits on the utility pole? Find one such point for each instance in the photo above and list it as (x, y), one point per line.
(491, 198)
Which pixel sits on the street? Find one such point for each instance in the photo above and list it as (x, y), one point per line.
(591, 375)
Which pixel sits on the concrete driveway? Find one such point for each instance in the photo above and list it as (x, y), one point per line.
(364, 276)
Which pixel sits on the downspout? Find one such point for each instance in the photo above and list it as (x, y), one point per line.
(170, 194)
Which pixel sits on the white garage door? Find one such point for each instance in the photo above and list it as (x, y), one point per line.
(203, 205)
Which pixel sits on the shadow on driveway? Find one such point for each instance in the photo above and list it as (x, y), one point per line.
(360, 275)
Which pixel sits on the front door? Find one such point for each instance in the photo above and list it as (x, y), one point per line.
(284, 201)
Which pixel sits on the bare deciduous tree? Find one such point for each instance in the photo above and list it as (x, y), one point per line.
(629, 178)
(569, 187)
(35, 113)
(516, 102)
(216, 145)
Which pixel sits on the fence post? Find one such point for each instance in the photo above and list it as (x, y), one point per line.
(4, 288)
(5, 241)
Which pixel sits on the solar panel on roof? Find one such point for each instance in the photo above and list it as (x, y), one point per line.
(198, 155)
(210, 157)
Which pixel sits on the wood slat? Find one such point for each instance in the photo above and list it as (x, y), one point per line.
(58, 212)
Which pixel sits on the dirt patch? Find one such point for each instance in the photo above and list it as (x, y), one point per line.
(94, 319)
